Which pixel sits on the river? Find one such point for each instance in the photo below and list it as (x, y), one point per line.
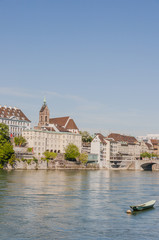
(74, 204)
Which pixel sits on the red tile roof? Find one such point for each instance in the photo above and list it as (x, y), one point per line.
(101, 137)
(63, 123)
(71, 125)
(122, 138)
(154, 141)
(8, 112)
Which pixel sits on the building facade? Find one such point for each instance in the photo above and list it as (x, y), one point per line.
(52, 134)
(15, 119)
(43, 140)
(114, 149)
(63, 124)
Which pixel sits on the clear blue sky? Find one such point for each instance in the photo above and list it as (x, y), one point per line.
(95, 60)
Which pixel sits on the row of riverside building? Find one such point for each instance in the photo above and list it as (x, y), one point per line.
(54, 134)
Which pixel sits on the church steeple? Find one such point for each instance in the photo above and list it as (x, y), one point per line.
(44, 115)
(44, 101)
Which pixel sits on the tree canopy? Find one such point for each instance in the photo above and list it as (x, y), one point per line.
(83, 158)
(20, 141)
(4, 133)
(49, 155)
(71, 152)
(86, 137)
(6, 148)
(148, 155)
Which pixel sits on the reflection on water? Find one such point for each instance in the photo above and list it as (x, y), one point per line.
(73, 204)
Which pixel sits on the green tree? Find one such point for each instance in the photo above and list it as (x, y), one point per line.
(4, 133)
(71, 152)
(86, 137)
(49, 155)
(20, 141)
(83, 158)
(6, 148)
(145, 155)
(148, 155)
(154, 155)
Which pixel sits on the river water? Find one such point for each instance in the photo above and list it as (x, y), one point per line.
(74, 204)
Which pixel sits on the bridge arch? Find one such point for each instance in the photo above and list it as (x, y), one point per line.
(147, 166)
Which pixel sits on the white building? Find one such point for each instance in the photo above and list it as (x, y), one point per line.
(15, 119)
(115, 148)
(54, 141)
(101, 147)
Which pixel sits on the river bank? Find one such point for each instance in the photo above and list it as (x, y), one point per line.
(65, 164)
(48, 165)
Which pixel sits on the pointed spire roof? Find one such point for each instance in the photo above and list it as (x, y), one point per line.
(44, 100)
(44, 105)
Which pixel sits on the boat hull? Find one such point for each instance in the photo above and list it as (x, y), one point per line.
(143, 206)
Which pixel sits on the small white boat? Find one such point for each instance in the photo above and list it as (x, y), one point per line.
(143, 206)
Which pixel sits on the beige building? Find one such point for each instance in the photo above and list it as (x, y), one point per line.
(52, 134)
(42, 140)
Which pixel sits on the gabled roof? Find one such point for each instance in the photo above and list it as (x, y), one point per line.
(101, 138)
(61, 121)
(65, 123)
(148, 145)
(12, 112)
(122, 138)
(71, 124)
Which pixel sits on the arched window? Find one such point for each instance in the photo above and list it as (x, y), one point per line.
(45, 118)
(41, 118)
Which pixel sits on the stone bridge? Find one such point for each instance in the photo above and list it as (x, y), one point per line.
(145, 164)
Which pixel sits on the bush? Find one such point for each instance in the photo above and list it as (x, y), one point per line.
(29, 149)
(35, 160)
(71, 152)
(83, 158)
(29, 161)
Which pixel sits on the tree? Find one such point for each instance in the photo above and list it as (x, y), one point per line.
(71, 152)
(86, 136)
(49, 155)
(4, 133)
(83, 158)
(6, 148)
(20, 141)
(145, 155)
(148, 155)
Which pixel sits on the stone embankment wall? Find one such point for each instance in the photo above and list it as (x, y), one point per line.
(52, 164)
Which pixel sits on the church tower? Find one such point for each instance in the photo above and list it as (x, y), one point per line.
(44, 115)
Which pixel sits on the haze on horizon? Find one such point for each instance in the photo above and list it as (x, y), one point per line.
(93, 60)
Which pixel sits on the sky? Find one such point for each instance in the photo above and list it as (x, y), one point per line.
(96, 61)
